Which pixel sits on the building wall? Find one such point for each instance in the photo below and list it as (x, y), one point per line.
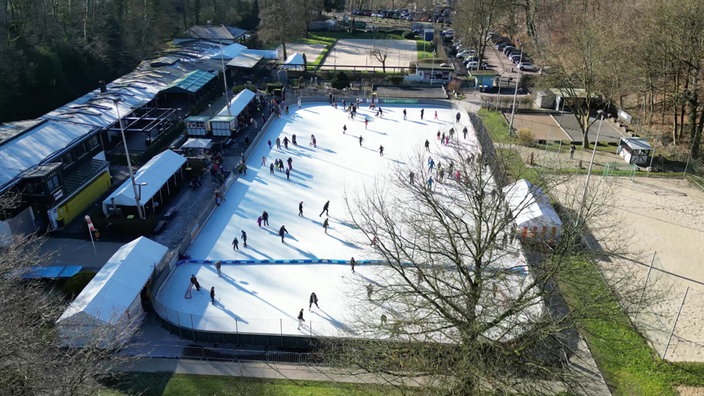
(90, 194)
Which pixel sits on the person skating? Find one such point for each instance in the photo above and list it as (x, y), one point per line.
(278, 143)
(300, 208)
(430, 183)
(313, 300)
(464, 132)
(344, 129)
(313, 141)
(282, 231)
(404, 114)
(259, 221)
(326, 224)
(212, 295)
(288, 174)
(457, 117)
(271, 168)
(427, 145)
(381, 151)
(421, 114)
(265, 218)
(360, 140)
(366, 123)
(269, 143)
(290, 163)
(286, 142)
(235, 244)
(325, 209)
(301, 321)
(293, 140)
(218, 265)
(436, 114)
(411, 177)
(352, 263)
(194, 282)
(244, 239)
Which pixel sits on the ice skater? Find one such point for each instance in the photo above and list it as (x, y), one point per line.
(344, 129)
(235, 244)
(244, 239)
(212, 295)
(436, 115)
(431, 164)
(300, 208)
(301, 321)
(457, 117)
(427, 145)
(326, 224)
(271, 168)
(259, 221)
(290, 163)
(269, 143)
(286, 141)
(313, 142)
(288, 174)
(404, 114)
(313, 300)
(430, 183)
(370, 290)
(263, 161)
(282, 231)
(381, 151)
(411, 177)
(299, 102)
(194, 282)
(464, 132)
(218, 265)
(361, 139)
(352, 263)
(422, 111)
(366, 123)
(325, 209)
(265, 218)
(278, 143)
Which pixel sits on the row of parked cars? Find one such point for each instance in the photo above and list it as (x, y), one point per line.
(403, 14)
(469, 56)
(514, 54)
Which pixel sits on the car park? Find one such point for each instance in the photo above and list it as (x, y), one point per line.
(507, 49)
(500, 46)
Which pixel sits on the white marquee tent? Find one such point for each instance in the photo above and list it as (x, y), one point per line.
(294, 61)
(155, 174)
(112, 299)
(535, 217)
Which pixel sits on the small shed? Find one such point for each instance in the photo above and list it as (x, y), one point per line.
(112, 299)
(484, 79)
(197, 125)
(294, 61)
(535, 218)
(634, 150)
(223, 125)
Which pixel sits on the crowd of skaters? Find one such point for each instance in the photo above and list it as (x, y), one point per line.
(278, 165)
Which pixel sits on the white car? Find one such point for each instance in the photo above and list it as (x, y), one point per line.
(527, 66)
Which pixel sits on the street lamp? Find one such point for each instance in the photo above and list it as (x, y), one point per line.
(599, 113)
(137, 194)
(515, 95)
(224, 78)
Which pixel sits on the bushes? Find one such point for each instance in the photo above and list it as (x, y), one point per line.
(525, 137)
(408, 35)
(340, 81)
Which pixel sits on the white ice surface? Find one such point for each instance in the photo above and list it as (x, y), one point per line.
(266, 298)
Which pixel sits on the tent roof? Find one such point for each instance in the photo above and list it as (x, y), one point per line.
(194, 143)
(239, 102)
(191, 82)
(293, 61)
(116, 286)
(154, 173)
(637, 143)
(530, 205)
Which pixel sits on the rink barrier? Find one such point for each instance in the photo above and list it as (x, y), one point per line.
(519, 269)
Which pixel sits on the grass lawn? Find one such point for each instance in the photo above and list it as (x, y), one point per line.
(424, 49)
(496, 125)
(156, 384)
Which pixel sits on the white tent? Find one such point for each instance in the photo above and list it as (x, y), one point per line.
(154, 173)
(194, 143)
(112, 299)
(294, 61)
(238, 103)
(534, 216)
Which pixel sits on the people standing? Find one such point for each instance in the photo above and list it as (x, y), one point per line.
(286, 142)
(421, 114)
(360, 140)
(259, 221)
(344, 129)
(269, 143)
(301, 321)
(290, 163)
(313, 300)
(457, 117)
(194, 282)
(427, 145)
(288, 174)
(352, 263)
(244, 239)
(436, 114)
(326, 224)
(265, 218)
(282, 231)
(212, 295)
(218, 265)
(381, 151)
(404, 114)
(235, 244)
(464, 132)
(325, 209)
(278, 143)
(271, 168)
(430, 183)
(300, 208)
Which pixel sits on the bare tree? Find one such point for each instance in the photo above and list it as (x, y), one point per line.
(281, 21)
(381, 57)
(33, 359)
(458, 302)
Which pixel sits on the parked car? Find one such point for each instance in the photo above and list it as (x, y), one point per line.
(516, 58)
(500, 46)
(507, 49)
(465, 53)
(527, 66)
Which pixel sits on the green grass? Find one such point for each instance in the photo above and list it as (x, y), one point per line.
(624, 357)
(496, 125)
(424, 49)
(156, 384)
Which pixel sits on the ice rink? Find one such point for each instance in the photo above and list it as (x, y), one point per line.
(263, 286)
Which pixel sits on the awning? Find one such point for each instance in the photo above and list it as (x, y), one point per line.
(52, 272)
(194, 143)
(238, 103)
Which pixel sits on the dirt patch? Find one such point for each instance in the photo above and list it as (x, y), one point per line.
(690, 391)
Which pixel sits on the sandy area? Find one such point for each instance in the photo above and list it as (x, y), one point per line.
(357, 53)
(659, 221)
(543, 126)
(312, 51)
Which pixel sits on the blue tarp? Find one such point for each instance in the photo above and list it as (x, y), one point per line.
(52, 272)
